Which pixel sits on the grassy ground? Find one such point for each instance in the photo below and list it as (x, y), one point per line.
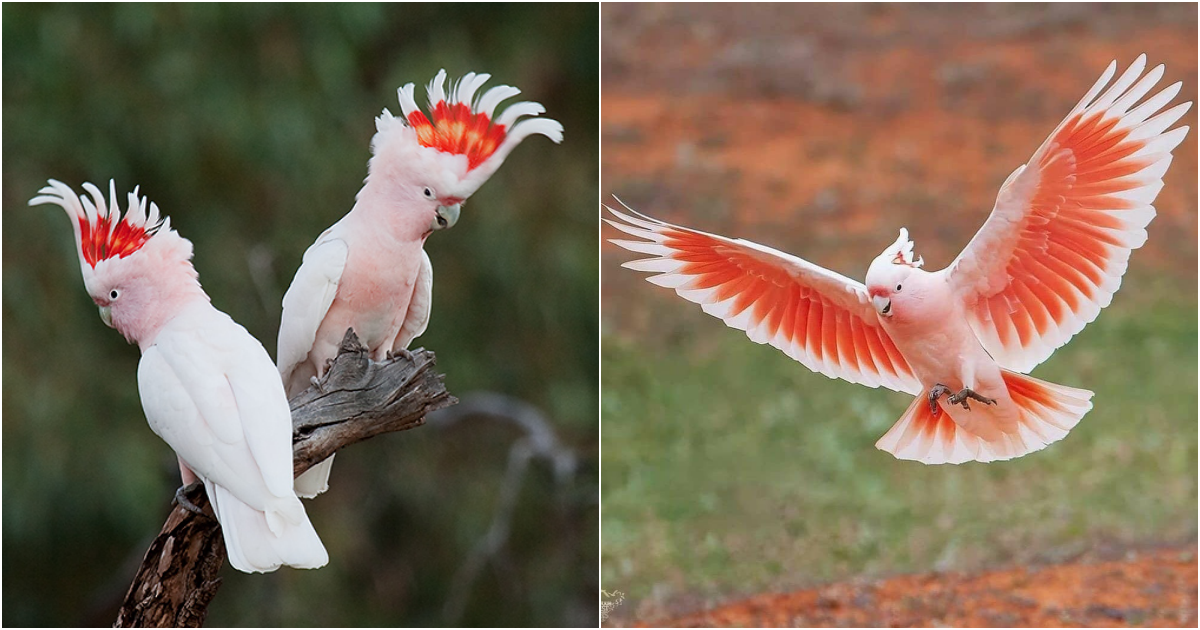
(730, 469)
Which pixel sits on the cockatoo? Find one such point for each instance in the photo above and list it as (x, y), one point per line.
(1049, 257)
(369, 271)
(208, 388)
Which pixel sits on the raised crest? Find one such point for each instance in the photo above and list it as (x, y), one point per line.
(101, 231)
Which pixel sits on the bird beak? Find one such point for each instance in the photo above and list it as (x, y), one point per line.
(883, 305)
(106, 315)
(446, 216)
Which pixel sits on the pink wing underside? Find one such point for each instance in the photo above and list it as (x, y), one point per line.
(1055, 247)
(817, 317)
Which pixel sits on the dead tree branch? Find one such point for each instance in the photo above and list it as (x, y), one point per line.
(538, 441)
(356, 400)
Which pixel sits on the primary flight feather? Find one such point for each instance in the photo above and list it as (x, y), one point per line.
(961, 339)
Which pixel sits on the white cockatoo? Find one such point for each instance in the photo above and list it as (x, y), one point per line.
(1049, 257)
(369, 271)
(208, 388)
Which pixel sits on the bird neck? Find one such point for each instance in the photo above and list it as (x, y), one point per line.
(158, 310)
(384, 218)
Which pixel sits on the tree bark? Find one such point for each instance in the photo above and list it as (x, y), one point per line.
(357, 399)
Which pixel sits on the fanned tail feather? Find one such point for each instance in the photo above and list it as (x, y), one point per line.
(1047, 413)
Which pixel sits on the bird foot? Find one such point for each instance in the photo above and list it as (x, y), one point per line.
(961, 398)
(936, 392)
(402, 353)
(182, 501)
(316, 382)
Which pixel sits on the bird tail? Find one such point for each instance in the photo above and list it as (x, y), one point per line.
(1046, 413)
(260, 542)
(315, 480)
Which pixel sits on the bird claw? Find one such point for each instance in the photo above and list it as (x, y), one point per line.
(316, 382)
(936, 392)
(402, 353)
(182, 501)
(961, 398)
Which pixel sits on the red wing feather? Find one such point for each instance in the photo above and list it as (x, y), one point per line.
(1058, 241)
(817, 317)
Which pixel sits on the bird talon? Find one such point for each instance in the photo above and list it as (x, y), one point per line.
(936, 392)
(966, 393)
(182, 501)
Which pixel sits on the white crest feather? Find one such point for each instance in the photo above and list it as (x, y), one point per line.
(447, 128)
(901, 252)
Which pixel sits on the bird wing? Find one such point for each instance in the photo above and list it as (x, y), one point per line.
(419, 307)
(1054, 249)
(818, 317)
(308, 298)
(210, 390)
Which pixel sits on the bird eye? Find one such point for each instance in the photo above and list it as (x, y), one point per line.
(897, 288)
(114, 294)
(429, 193)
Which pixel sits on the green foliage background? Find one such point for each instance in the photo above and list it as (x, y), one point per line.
(249, 125)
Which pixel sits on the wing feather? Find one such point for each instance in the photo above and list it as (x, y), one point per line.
(1058, 241)
(211, 391)
(819, 318)
(308, 299)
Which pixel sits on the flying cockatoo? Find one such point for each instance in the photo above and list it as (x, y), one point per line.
(208, 388)
(369, 271)
(1049, 257)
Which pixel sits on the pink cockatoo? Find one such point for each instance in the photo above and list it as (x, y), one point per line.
(369, 271)
(208, 388)
(1049, 257)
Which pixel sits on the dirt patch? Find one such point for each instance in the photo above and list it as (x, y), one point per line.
(1154, 588)
(821, 129)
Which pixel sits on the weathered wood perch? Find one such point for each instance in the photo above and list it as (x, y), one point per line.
(357, 399)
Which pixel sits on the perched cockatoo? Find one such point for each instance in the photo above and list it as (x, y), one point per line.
(369, 271)
(208, 388)
(1049, 257)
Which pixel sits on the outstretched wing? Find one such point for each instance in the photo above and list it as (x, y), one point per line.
(820, 318)
(1054, 249)
(308, 298)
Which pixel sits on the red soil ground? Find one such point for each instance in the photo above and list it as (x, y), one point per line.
(1154, 588)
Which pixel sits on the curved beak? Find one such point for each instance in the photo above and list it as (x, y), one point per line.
(106, 315)
(883, 305)
(446, 216)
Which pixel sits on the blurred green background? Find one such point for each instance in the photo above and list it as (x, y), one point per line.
(820, 129)
(249, 126)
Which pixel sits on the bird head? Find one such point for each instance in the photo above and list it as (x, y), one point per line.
(135, 267)
(435, 162)
(890, 271)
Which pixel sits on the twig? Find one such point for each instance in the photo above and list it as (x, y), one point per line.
(356, 400)
(539, 441)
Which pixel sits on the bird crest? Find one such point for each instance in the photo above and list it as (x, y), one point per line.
(901, 252)
(101, 233)
(460, 122)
